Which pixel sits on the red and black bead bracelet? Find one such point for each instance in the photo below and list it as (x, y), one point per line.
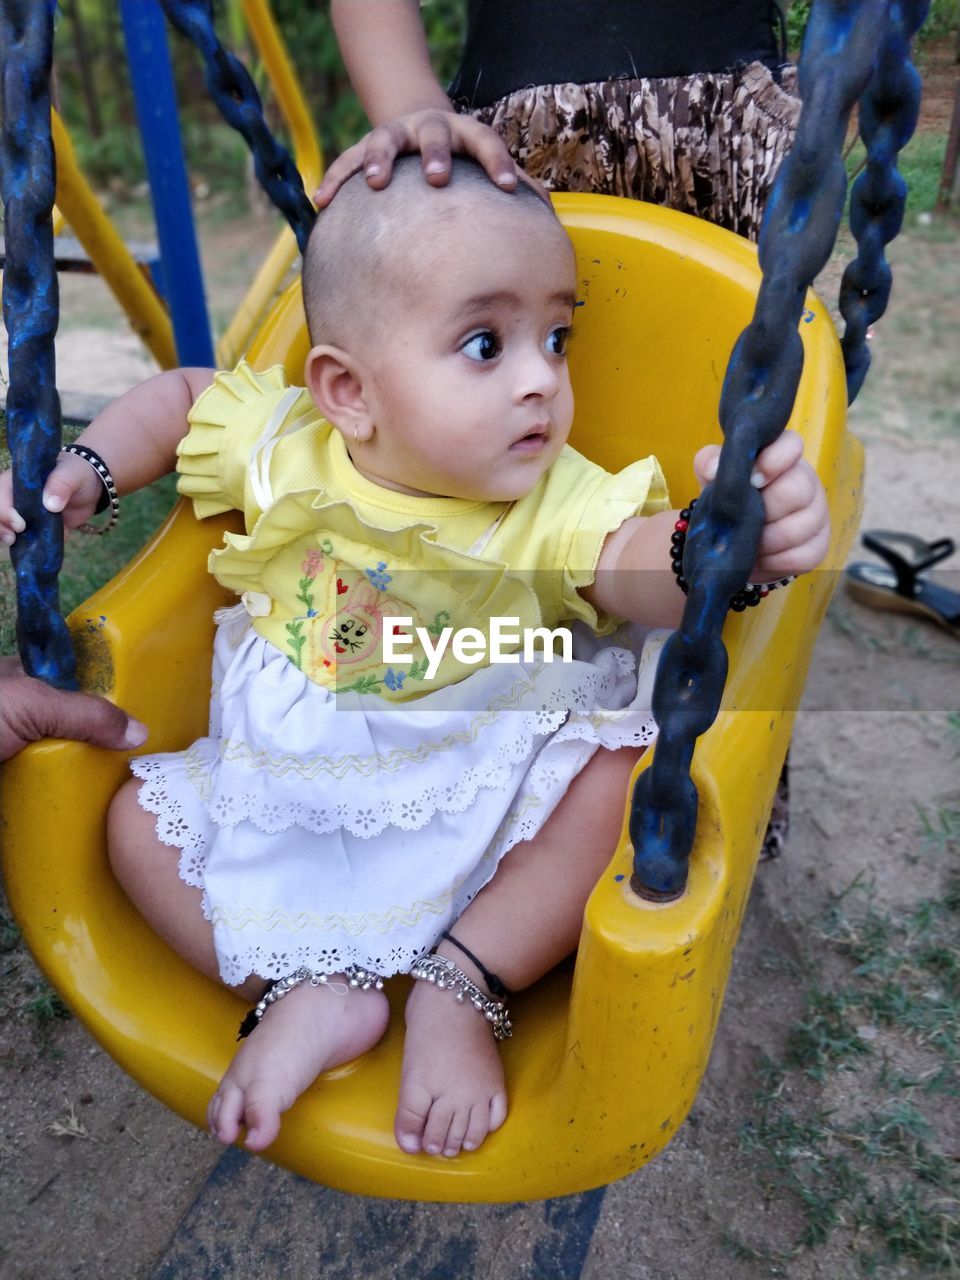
(749, 595)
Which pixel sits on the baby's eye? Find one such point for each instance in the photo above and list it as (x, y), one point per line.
(482, 346)
(557, 340)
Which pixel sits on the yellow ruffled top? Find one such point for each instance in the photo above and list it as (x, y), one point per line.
(332, 564)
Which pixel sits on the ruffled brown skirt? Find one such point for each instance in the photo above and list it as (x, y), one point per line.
(705, 144)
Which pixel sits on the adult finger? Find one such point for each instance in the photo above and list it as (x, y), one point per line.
(31, 710)
(383, 145)
(86, 718)
(345, 166)
(489, 150)
(435, 144)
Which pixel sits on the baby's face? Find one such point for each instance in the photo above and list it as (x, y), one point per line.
(468, 384)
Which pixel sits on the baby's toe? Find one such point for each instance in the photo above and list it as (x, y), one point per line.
(413, 1108)
(457, 1131)
(262, 1118)
(437, 1126)
(484, 1119)
(477, 1128)
(225, 1113)
(498, 1110)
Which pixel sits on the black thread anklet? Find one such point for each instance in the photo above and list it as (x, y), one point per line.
(494, 985)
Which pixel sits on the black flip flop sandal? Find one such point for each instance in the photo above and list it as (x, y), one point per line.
(898, 585)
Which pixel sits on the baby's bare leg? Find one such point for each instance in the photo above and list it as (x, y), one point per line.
(312, 1029)
(525, 921)
(149, 874)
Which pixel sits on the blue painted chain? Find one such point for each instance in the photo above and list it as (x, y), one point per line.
(236, 95)
(30, 313)
(888, 117)
(799, 228)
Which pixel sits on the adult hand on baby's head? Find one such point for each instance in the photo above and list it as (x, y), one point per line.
(72, 487)
(796, 530)
(436, 135)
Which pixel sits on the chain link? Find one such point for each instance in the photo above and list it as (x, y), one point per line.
(841, 47)
(30, 313)
(231, 87)
(888, 117)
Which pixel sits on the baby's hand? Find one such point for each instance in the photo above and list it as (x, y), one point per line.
(434, 133)
(11, 521)
(72, 487)
(796, 530)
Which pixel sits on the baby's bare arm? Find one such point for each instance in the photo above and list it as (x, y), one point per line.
(634, 579)
(137, 437)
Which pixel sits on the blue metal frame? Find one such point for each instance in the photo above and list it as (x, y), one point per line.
(145, 33)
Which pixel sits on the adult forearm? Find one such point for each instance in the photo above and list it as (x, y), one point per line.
(385, 52)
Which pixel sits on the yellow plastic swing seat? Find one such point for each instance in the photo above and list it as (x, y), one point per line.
(604, 1064)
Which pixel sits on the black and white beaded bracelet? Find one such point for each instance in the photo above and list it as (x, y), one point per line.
(750, 594)
(108, 499)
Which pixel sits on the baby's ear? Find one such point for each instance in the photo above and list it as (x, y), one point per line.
(336, 386)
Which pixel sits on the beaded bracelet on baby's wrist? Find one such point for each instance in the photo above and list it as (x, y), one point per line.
(749, 595)
(108, 499)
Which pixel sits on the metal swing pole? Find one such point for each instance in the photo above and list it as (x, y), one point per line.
(151, 74)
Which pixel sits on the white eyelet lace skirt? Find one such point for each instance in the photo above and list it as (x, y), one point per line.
(334, 830)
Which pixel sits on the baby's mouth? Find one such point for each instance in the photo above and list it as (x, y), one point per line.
(533, 442)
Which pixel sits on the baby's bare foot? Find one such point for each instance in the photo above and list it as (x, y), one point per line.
(312, 1029)
(451, 1088)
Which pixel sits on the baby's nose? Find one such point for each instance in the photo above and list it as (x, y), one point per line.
(538, 376)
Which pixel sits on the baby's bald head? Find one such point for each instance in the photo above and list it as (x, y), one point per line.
(369, 248)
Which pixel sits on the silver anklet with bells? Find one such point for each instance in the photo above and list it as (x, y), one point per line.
(356, 977)
(445, 975)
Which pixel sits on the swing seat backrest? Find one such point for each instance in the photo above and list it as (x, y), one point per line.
(607, 1055)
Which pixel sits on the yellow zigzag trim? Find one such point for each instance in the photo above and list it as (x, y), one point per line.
(368, 766)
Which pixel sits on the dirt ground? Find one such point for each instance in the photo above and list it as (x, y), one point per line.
(95, 1176)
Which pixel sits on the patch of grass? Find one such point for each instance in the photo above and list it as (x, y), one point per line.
(9, 933)
(738, 1248)
(920, 164)
(941, 21)
(915, 642)
(45, 1007)
(868, 1162)
(941, 833)
(825, 1038)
